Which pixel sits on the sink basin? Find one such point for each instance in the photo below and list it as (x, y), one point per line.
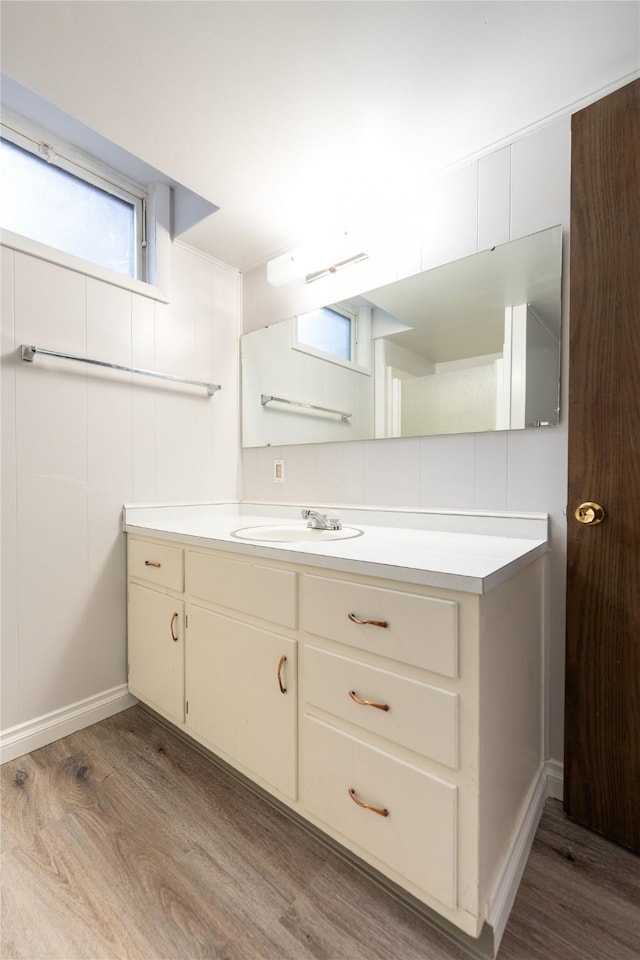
(294, 533)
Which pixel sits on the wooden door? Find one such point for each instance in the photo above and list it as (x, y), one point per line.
(602, 716)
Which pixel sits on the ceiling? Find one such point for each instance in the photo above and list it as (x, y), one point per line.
(296, 117)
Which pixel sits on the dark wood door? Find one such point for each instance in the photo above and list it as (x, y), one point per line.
(602, 715)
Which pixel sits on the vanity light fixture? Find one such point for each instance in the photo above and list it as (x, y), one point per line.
(316, 259)
(310, 277)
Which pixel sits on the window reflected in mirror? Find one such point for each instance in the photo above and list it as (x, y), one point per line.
(327, 332)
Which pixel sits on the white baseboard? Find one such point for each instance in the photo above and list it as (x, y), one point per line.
(505, 889)
(555, 779)
(25, 737)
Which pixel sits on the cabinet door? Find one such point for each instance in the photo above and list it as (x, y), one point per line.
(156, 650)
(242, 695)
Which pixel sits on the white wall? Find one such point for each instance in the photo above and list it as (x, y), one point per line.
(78, 442)
(511, 193)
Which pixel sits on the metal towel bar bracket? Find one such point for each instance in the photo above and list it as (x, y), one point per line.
(266, 398)
(28, 352)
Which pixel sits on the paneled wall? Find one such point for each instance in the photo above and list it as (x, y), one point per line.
(78, 442)
(515, 191)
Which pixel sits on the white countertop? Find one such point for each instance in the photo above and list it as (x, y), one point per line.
(404, 546)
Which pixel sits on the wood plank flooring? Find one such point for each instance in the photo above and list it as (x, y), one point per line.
(123, 841)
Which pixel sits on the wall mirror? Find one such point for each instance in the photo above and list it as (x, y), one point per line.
(469, 346)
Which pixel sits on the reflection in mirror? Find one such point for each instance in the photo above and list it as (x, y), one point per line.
(470, 346)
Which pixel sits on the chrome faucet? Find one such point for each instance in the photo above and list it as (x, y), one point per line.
(321, 521)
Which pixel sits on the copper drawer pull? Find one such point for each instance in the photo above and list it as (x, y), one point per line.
(281, 664)
(174, 617)
(382, 811)
(367, 703)
(152, 563)
(372, 623)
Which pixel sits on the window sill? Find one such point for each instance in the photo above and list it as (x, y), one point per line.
(67, 260)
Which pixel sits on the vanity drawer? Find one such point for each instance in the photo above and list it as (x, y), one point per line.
(422, 631)
(156, 563)
(417, 838)
(249, 588)
(420, 717)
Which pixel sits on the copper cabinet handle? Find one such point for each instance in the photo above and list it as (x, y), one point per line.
(368, 703)
(372, 623)
(174, 617)
(281, 664)
(152, 563)
(382, 811)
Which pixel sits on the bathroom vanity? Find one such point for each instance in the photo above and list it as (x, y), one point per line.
(387, 688)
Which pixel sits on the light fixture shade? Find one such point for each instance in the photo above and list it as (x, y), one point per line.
(285, 268)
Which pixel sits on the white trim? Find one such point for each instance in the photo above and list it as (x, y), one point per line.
(25, 737)
(159, 236)
(34, 248)
(531, 128)
(555, 779)
(506, 886)
(207, 256)
(548, 783)
(567, 111)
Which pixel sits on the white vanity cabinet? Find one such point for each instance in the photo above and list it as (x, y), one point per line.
(402, 720)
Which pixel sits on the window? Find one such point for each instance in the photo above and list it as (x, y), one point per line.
(328, 331)
(55, 200)
(337, 333)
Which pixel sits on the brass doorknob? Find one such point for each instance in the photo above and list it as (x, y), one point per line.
(590, 513)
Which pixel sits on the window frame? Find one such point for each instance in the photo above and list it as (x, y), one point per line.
(58, 153)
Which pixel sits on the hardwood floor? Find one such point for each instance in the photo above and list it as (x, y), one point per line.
(123, 841)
